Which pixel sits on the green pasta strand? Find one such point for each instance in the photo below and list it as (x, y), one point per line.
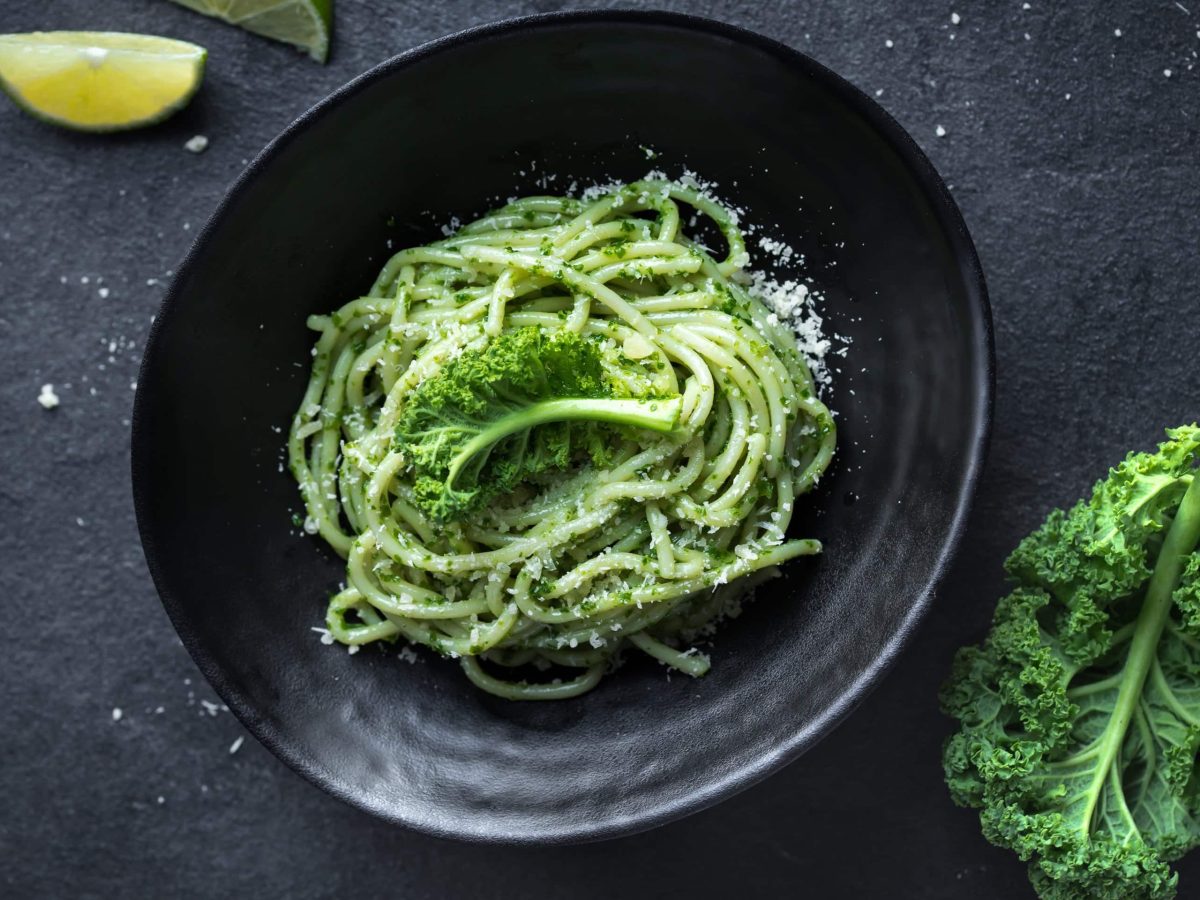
(540, 592)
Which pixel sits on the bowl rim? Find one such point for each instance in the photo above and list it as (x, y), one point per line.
(485, 830)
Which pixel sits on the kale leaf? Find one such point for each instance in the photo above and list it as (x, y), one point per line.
(526, 403)
(1080, 712)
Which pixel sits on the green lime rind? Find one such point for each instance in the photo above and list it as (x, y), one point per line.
(305, 24)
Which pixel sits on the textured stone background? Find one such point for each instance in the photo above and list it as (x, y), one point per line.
(1073, 154)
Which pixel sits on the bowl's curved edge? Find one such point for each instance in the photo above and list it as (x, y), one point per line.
(949, 217)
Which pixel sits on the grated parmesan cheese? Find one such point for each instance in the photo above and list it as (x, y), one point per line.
(408, 655)
(47, 398)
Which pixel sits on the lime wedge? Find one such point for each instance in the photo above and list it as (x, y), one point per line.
(303, 23)
(101, 80)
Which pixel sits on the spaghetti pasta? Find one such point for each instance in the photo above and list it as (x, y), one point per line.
(540, 590)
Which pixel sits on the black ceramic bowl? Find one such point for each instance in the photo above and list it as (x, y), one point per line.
(445, 130)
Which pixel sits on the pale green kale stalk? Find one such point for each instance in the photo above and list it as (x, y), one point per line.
(1080, 712)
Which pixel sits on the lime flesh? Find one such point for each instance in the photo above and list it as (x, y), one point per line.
(101, 80)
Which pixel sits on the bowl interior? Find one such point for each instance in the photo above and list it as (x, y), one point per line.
(448, 130)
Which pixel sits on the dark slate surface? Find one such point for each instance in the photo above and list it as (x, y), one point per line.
(1073, 154)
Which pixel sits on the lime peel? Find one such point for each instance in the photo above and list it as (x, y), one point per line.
(305, 24)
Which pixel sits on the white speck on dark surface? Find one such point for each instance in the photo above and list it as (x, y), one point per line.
(408, 655)
(47, 397)
(236, 745)
(196, 144)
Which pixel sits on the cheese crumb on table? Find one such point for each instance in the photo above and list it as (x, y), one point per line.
(406, 653)
(47, 397)
(197, 144)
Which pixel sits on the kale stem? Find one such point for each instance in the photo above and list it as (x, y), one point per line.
(656, 415)
(1181, 540)
(1093, 687)
(1146, 733)
(1168, 693)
